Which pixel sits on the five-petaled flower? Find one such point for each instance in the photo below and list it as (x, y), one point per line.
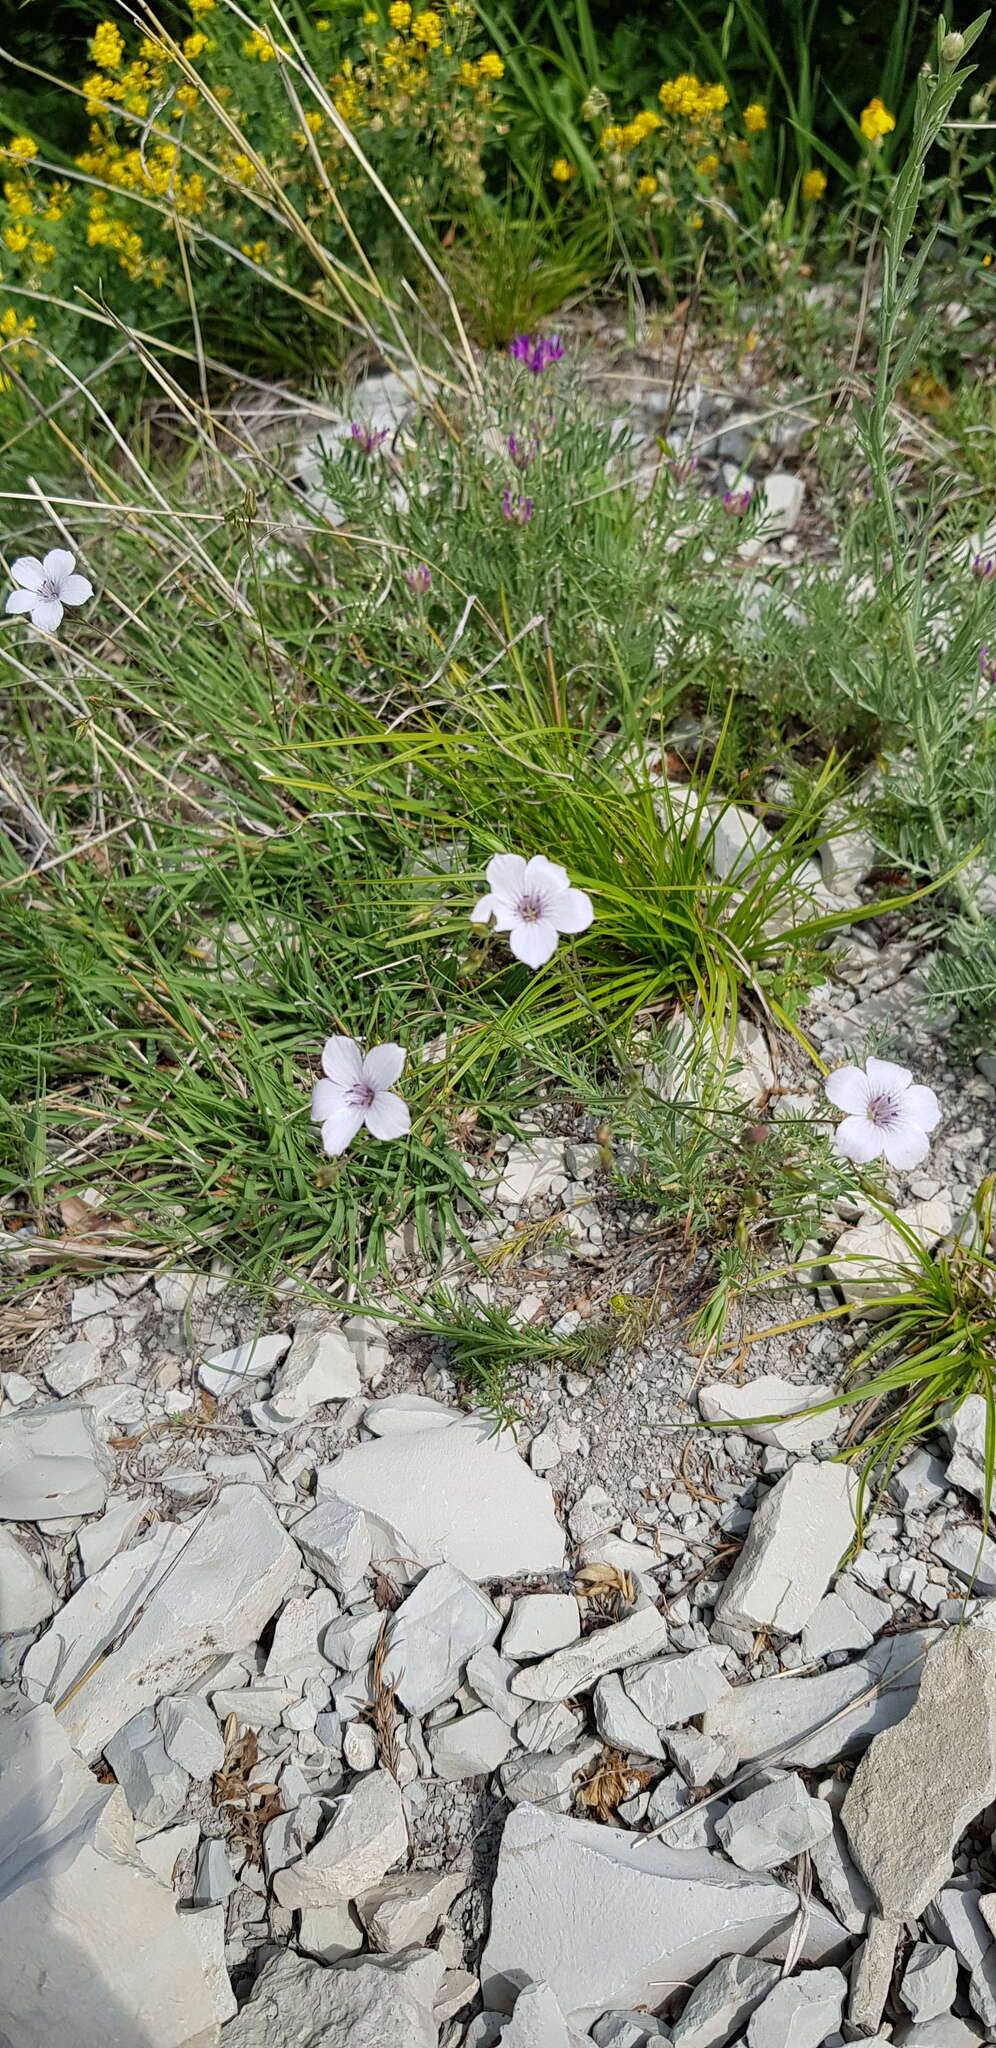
(533, 901)
(516, 508)
(357, 1091)
(886, 1114)
(536, 355)
(44, 588)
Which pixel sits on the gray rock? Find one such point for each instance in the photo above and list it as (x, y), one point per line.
(620, 1722)
(774, 1825)
(367, 1833)
(230, 1574)
(871, 1972)
(169, 1850)
(490, 1678)
(458, 1495)
(965, 1430)
(330, 1932)
(922, 1782)
(549, 1725)
(842, 1885)
(27, 1596)
(294, 1654)
(548, 1781)
(76, 1366)
(794, 1546)
(575, 1670)
(485, 2030)
(723, 2002)
(930, 1981)
(970, 1555)
(337, 1541)
(537, 2022)
(232, 1372)
(920, 1484)
(470, 1745)
(191, 1734)
(956, 1917)
(800, 2012)
(205, 1930)
(403, 1911)
(91, 1940)
(541, 1623)
(734, 1407)
(434, 1633)
(627, 2030)
(672, 1690)
(700, 1758)
(833, 1627)
(214, 1880)
(813, 1721)
(946, 2032)
(409, 1415)
(54, 1463)
(349, 1642)
(319, 1367)
(296, 2003)
(669, 1911)
(101, 1540)
(153, 1785)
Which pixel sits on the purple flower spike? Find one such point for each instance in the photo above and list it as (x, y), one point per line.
(987, 664)
(984, 568)
(419, 579)
(518, 510)
(736, 503)
(682, 467)
(536, 355)
(523, 452)
(367, 440)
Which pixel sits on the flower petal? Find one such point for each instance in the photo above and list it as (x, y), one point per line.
(858, 1139)
(76, 590)
(572, 911)
(58, 564)
(483, 909)
(388, 1117)
(327, 1099)
(847, 1088)
(535, 943)
(922, 1106)
(382, 1066)
(887, 1079)
(339, 1130)
(21, 601)
(28, 572)
(46, 614)
(905, 1144)
(506, 875)
(546, 878)
(342, 1061)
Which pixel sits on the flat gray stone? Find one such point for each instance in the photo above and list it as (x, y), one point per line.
(470, 1746)
(27, 1595)
(620, 1722)
(205, 1930)
(318, 1368)
(380, 2001)
(433, 1634)
(672, 1690)
(458, 1495)
(794, 1546)
(337, 1541)
(923, 1781)
(576, 1669)
(409, 1415)
(813, 1721)
(54, 1463)
(946, 2032)
(214, 1881)
(537, 2022)
(101, 1540)
(368, 1832)
(774, 1825)
(930, 1981)
(490, 1677)
(548, 1780)
(969, 1555)
(330, 1932)
(235, 1371)
(840, 1882)
(154, 1786)
(191, 1735)
(723, 2002)
(920, 1484)
(833, 1626)
(404, 1911)
(549, 1726)
(965, 1430)
(871, 1972)
(669, 1912)
(734, 1407)
(801, 2012)
(541, 1623)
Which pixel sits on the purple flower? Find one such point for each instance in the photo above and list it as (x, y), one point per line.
(523, 452)
(736, 503)
(987, 664)
(536, 355)
(367, 439)
(419, 579)
(984, 568)
(886, 1114)
(519, 510)
(682, 467)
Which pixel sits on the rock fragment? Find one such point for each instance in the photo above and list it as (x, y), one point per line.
(54, 1463)
(367, 1833)
(337, 1542)
(296, 2003)
(741, 1407)
(929, 1981)
(191, 1735)
(794, 1545)
(153, 1785)
(27, 1596)
(541, 1623)
(404, 1911)
(434, 1633)
(471, 1745)
(576, 1669)
(813, 1721)
(801, 2012)
(673, 1690)
(774, 1825)
(319, 1367)
(723, 2002)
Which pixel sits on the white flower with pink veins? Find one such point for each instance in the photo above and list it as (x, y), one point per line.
(533, 901)
(886, 1114)
(45, 588)
(357, 1091)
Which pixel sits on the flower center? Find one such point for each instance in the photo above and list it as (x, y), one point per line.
(49, 589)
(529, 909)
(360, 1095)
(882, 1111)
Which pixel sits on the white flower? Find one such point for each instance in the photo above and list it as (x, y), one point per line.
(357, 1091)
(532, 900)
(46, 587)
(886, 1114)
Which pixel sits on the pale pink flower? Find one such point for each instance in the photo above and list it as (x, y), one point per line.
(357, 1091)
(886, 1115)
(532, 900)
(45, 587)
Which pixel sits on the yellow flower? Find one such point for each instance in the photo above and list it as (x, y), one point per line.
(18, 200)
(370, 20)
(244, 167)
(21, 147)
(199, 7)
(399, 14)
(187, 97)
(42, 253)
(427, 28)
(107, 46)
(259, 47)
(256, 251)
(645, 186)
(814, 185)
(611, 137)
(695, 220)
(707, 166)
(16, 239)
(468, 74)
(324, 25)
(562, 171)
(876, 120)
(193, 45)
(987, 259)
(687, 97)
(490, 65)
(755, 118)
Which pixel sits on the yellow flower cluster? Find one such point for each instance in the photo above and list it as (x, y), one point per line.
(562, 170)
(259, 47)
(814, 185)
(107, 46)
(632, 133)
(21, 148)
(755, 118)
(427, 28)
(876, 120)
(690, 100)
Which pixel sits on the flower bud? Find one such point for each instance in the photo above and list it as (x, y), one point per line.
(952, 47)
